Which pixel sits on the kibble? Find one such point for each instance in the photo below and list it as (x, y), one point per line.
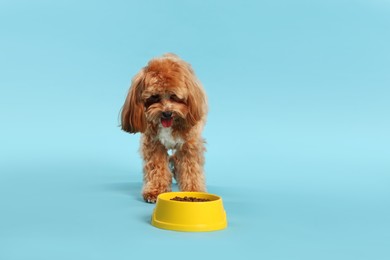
(189, 199)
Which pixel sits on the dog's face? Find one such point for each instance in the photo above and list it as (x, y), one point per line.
(166, 93)
(165, 101)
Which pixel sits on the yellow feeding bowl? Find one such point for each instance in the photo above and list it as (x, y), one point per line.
(204, 214)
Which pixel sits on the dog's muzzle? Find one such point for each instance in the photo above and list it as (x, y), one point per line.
(166, 119)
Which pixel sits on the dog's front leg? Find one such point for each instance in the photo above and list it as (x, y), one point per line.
(189, 161)
(157, 177)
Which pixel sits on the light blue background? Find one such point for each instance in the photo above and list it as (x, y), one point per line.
(298, 129)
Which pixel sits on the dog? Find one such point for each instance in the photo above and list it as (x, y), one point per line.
(167, 104)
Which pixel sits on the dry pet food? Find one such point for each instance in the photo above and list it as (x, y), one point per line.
(189, 199)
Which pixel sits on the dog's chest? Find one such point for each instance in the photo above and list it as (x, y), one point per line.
(166, 138)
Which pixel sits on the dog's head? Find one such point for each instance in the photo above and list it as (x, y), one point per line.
(165, 92)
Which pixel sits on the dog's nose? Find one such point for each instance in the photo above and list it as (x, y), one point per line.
(167, 114)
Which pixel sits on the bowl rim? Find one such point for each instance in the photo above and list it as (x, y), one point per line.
(163, 196)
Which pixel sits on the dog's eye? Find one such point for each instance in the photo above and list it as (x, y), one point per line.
(175, 98)
(152, 100)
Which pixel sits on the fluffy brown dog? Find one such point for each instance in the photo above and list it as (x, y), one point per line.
(167, 104)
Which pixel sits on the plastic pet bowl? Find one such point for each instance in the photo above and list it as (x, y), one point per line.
(189, 216)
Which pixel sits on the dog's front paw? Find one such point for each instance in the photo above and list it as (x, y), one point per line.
(150, 197)
(150, 192)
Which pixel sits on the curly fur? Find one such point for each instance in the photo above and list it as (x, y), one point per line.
(168, 86)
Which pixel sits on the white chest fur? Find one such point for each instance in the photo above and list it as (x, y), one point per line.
(166, 138)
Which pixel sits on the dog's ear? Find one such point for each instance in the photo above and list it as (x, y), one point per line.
(196, 102)
(133, 116)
